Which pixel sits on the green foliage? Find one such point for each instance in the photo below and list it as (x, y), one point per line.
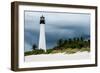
(28, 53)
(38, 51)
(59, 42)
(34, 47)
(68, 46)
(81, 39)
(73, 43)
(49, 51)
(34, 52)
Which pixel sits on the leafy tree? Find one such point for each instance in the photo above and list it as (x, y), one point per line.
(34, 46)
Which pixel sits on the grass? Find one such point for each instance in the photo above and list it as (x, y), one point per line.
(51, 51)
(85, 49)
(71, 51)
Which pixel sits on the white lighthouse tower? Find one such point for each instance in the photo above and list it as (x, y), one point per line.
(42, 41)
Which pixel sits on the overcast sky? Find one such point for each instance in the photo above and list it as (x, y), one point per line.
(58, 25)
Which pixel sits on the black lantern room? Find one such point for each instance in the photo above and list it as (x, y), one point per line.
(42, 20)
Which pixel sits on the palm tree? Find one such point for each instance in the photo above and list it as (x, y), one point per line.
(60, 42)
(81, 38)
(70, 40)
(65, 41)
(78, 39)
(34, 46)
(74, 39)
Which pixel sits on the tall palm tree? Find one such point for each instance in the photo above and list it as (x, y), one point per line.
(60, 42)
(81, 38)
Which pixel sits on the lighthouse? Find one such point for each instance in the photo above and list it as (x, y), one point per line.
(42, 40)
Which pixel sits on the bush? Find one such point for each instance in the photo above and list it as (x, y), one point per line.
(28, 53)
(40, 51)
(34, 52)
(49, 51)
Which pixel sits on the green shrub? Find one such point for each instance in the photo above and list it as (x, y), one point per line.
(49, 51)
(40, 51)
(28, 53)
(34, 52)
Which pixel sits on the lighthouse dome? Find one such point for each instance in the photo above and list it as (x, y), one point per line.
(42, 20)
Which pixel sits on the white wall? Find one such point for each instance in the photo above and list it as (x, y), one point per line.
(5, 40)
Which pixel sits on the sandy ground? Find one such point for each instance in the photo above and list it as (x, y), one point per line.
(58, 56)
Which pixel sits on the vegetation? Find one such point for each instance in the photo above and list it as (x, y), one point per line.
(73, 43)
(68, 46)
(35, 52)
(38, 51)
(34, 47)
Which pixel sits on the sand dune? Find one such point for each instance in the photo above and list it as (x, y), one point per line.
(58, 56)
